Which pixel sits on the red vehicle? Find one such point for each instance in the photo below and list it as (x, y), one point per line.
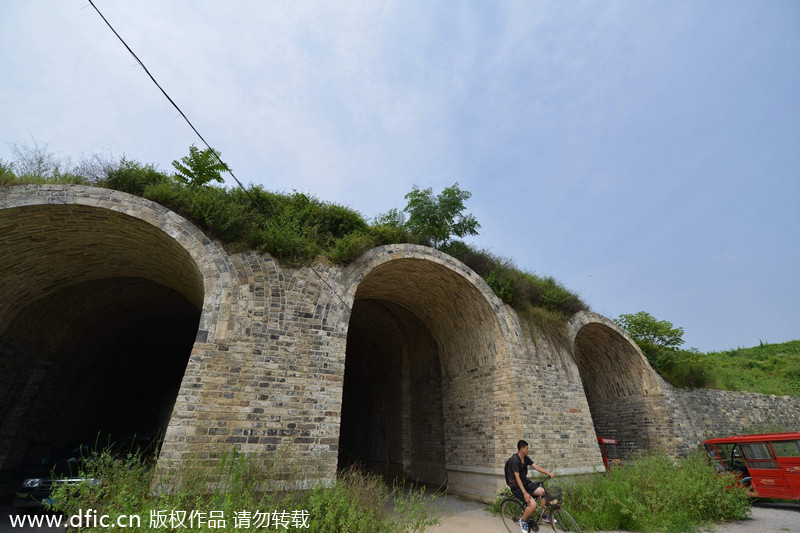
(769, 464)
(608, 447)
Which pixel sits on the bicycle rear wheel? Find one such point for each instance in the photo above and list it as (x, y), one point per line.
(561, 520)
(511, 511)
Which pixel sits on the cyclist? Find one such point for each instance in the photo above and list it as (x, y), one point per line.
(516, 472)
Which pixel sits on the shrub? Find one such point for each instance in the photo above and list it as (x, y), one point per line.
(350, 246)
(654, 493)
(133, 177)
(514, 286)
(339, 221)
(7, 176)
(386, 234)
(210, 207)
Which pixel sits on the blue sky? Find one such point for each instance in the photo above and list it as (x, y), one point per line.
(645, 154)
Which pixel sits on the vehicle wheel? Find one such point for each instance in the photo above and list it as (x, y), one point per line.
(511, 511)
(563, 521)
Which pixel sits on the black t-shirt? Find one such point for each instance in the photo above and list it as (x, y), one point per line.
(516, 464)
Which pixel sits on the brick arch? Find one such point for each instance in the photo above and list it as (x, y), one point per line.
(610, 362)
(415, 307)
(104, 231)
(80, 266)
(621, 387)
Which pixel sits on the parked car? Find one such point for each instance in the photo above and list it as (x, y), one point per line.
(42, 476)
(35, 461)
(608, 447)
(767, 464)
(67, 465)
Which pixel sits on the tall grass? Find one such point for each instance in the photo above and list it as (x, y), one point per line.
(243, 492)
(651, 494)
(656, 493)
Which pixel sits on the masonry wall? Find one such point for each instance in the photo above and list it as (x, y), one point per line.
(715, 413)
(405, 341)
(274, 385)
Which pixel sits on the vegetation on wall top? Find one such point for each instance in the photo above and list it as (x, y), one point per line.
(297, 228)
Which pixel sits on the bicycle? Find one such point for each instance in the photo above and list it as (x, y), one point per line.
(511, 510)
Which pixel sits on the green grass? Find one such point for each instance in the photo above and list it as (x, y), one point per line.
(768, 368)
(765, 369)
(653, 493)
(239, 488)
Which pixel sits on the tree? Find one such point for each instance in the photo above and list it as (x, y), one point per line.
(393, 218)
(437, 219)
(200, 167)
(650, 334)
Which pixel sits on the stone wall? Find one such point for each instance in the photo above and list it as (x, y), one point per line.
(404, 360)
(717, 413)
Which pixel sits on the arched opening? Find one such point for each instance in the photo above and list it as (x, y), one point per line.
(392, 382)
(618, 382)
(98, 314)
(419, 384)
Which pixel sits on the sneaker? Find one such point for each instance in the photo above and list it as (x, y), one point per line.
(523, 525)
(547, 519)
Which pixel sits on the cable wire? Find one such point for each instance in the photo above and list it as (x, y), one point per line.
(189, 122)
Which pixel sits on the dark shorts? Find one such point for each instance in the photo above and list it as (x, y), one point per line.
(530, 486)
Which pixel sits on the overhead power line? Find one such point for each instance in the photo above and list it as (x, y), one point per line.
(216, 154)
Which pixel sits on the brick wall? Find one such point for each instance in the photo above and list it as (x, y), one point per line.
(405, 354)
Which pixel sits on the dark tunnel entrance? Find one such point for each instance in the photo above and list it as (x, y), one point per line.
(392, 418)
(420, 393)
(101, 312)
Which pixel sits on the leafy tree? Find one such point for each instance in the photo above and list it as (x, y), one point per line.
(650, 334)
(394, 218)
(437, 218)
(660, 342)
(200, 167)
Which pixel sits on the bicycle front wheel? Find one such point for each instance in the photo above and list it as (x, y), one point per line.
(511, 512)
(563, 521)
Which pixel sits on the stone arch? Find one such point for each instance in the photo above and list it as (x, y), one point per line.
(427, 357)
(619, 383)
(90, 277)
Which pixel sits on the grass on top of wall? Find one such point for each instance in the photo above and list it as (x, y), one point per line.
(299, 229)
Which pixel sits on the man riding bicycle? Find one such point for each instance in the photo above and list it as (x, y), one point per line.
(516, 473)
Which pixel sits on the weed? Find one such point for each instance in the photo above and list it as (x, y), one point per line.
(655, 493)
(235, 486)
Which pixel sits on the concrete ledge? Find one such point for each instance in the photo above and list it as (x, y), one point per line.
(470, 483)
(483, 484)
